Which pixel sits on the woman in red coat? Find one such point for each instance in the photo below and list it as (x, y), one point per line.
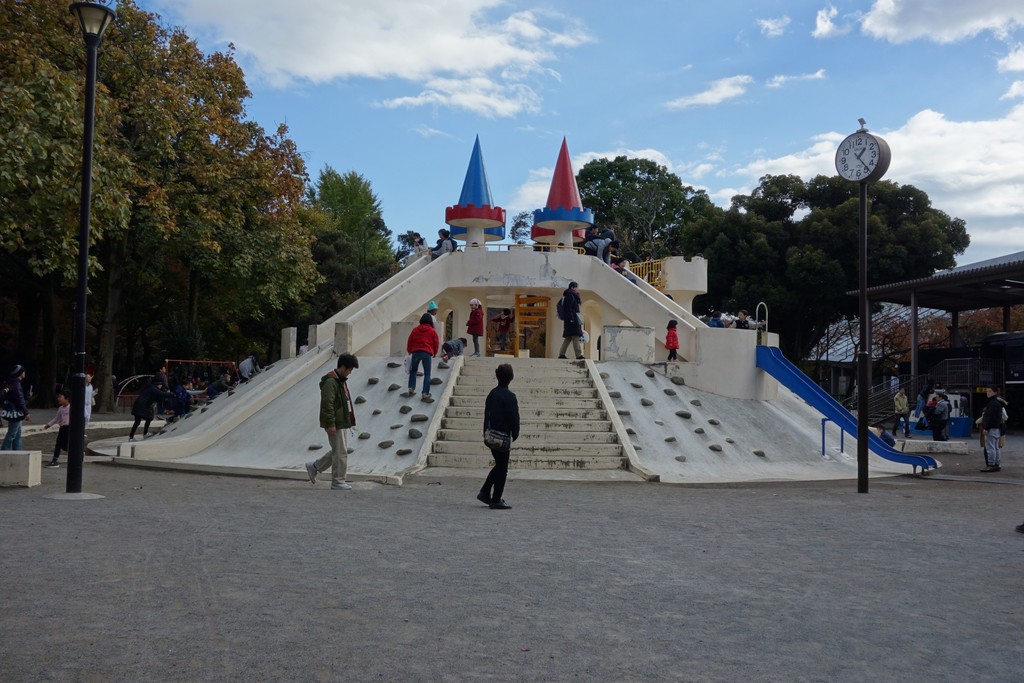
(475, 324)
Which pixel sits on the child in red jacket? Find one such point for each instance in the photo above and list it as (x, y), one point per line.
(672, 340)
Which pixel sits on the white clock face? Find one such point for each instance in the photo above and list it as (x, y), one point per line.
(857, 156)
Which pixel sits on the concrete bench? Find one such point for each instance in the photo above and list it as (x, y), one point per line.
(21, 468)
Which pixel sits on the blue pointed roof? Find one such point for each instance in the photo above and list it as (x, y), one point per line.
(475, 190)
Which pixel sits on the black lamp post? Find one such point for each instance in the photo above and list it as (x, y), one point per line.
(94, 19)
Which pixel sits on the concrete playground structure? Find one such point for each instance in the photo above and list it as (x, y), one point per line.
(732, 408)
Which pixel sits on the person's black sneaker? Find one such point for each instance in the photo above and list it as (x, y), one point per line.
(52, 466)
(562, 358)
(1020, 528)
(993, 468)
(486, 500)
(500, 505)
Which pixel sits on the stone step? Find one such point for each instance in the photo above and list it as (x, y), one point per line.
(529, 437)
(562, 450)
(536, 381)
(475, 370)
(532, 412)
(527, 462)
(534, 402)
(538, 425)
(528, 391)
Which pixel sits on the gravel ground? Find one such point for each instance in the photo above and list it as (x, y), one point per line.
(183, 577)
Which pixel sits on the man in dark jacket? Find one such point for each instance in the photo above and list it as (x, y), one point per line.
(336, 415)
(501, 412)
(992, 429)
(15, 409)
(572, 325)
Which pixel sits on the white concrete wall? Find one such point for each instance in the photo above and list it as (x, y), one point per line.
(627, 344)
(726, 364)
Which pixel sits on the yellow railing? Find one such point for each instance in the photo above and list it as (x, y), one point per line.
(651, 272)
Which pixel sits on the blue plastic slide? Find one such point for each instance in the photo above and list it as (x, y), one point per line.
(771, 360)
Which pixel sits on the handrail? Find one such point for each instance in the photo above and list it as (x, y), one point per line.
(652, 272)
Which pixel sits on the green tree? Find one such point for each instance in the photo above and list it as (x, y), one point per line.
(353, 249)
(642, 202)
(793, 245)
(519, 229)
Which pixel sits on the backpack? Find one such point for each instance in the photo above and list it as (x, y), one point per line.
(560, 308)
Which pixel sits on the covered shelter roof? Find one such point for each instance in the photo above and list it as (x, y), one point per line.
(992, 283)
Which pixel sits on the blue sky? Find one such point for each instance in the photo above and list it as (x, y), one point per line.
(721, 93)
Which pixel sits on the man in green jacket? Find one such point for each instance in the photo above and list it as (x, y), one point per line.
(336, 415)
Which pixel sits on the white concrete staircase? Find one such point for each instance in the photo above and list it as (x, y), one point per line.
(564, 424)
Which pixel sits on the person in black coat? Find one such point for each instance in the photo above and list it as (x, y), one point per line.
(501, 412)
(142, 409)
(572, 326)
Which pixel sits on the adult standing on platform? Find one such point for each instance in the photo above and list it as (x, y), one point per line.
(336, 415)
(475, 324)
(501, 412)
(572, 326)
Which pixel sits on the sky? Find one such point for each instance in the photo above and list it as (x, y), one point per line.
(720, 93)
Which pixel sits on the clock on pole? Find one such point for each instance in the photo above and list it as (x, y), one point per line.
(862, 157)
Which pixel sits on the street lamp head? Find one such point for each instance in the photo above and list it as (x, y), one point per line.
(93, 18)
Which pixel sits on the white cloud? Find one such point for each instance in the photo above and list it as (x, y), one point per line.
(479, 95)
(1013, 61)
(970, 169)
(825, 26)
(433, 43)
(720, 91)
(943, 21)
(779, 81)
(1016, 90)
(773, 28)
(426, 131)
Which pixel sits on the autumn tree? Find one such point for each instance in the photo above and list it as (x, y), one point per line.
(196, 208)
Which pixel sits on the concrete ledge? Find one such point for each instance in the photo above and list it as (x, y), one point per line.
(260, 472)
(21, 468)
(934, 447)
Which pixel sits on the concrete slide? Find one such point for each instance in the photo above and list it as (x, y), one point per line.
(771, 360)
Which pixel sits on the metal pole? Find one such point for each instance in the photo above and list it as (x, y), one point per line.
(76, 437)
(864, 356)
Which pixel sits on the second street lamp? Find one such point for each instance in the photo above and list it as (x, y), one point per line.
(93, 19)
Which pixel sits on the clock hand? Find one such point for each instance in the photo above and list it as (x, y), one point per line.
(859, 155)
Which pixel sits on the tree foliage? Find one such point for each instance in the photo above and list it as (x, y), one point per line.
(353, 249)
(197, 211)
(793, 245)
(645, 204)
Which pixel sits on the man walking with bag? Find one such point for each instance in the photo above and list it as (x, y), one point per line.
(336, 415)
(501, 414)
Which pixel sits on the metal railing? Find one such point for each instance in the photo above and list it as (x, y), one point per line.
(651, 272)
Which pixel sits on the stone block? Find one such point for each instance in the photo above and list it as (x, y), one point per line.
(21, 468)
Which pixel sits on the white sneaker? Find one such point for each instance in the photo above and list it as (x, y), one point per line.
(311, 472)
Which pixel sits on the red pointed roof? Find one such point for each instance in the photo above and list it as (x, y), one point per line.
(564, 192)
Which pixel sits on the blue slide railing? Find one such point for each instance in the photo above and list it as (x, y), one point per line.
(771, 360)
